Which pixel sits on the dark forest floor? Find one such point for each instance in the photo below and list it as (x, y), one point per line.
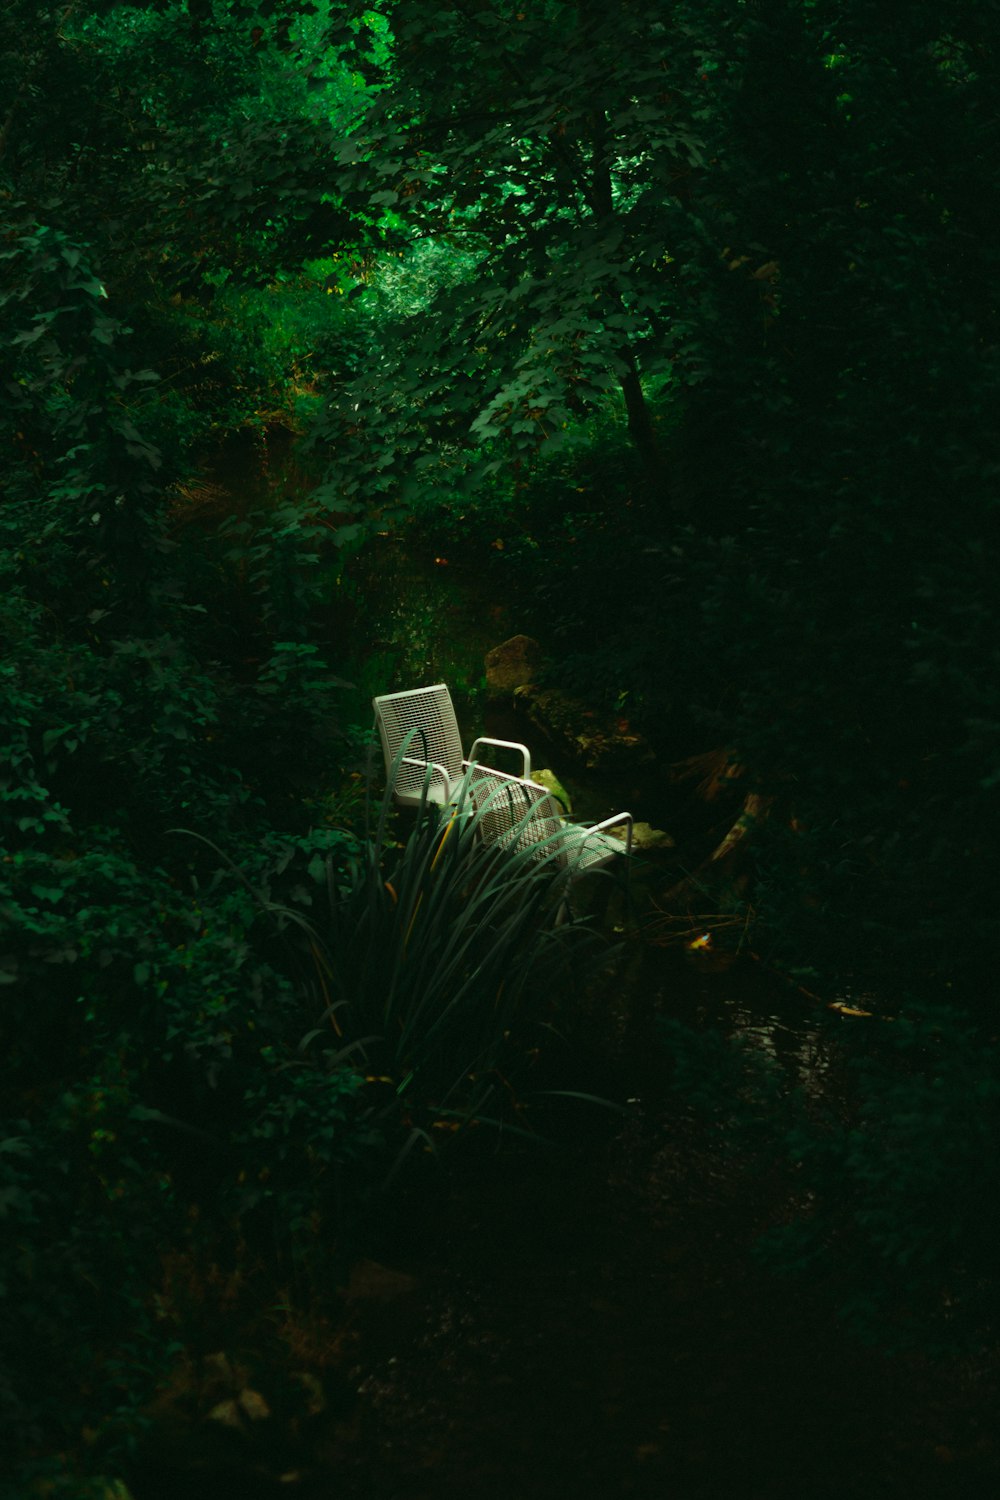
(591, 1323)
(600, 1328)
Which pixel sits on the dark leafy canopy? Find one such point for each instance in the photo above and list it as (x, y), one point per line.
(190, 139)
(630, 183)
(158, 162)
(551, 146)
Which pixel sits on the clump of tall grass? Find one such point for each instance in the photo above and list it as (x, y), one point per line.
(437, 957)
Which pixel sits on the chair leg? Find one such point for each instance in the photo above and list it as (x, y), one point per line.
(600, 899)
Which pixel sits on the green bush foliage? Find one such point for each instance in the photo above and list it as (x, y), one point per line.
(156, 674)
(152, 1039)
(439, 957)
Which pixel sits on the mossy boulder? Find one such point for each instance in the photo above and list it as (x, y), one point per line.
(512, 664)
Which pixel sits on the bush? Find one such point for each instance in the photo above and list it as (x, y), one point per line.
(436, 960)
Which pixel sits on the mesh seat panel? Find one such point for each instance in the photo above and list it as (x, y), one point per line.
(510, 815)
(523, 816)
(598, 850)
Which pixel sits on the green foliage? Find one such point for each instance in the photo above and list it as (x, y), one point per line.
(917, 1170)
(153, 675)
(167, 103)
(169, 1037)
(302, 1132)
(140, 730)
(751, 244)
(433, 956)
(860, 477)
(86, 477)
(547, 185)
(153, 1045)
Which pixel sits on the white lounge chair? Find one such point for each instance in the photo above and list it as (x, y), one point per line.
(424, 759)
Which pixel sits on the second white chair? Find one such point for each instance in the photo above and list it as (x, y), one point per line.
(521, 815)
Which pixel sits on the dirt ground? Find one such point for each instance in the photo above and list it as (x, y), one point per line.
(592, 1322)
(600, 1328)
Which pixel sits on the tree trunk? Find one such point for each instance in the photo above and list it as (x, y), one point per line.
(640, 425)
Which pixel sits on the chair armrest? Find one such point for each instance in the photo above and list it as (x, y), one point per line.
(505, 745)
(622, 817)
(432, 766)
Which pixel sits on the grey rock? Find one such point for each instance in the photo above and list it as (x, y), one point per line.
(512, 664)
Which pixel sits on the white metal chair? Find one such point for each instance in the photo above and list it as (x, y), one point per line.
(424, 759)
(518, 814)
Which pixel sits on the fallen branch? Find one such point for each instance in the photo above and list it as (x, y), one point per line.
(756, 808)
(716, 771)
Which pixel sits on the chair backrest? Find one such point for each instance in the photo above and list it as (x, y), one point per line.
(421, 723)
(518, 815)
